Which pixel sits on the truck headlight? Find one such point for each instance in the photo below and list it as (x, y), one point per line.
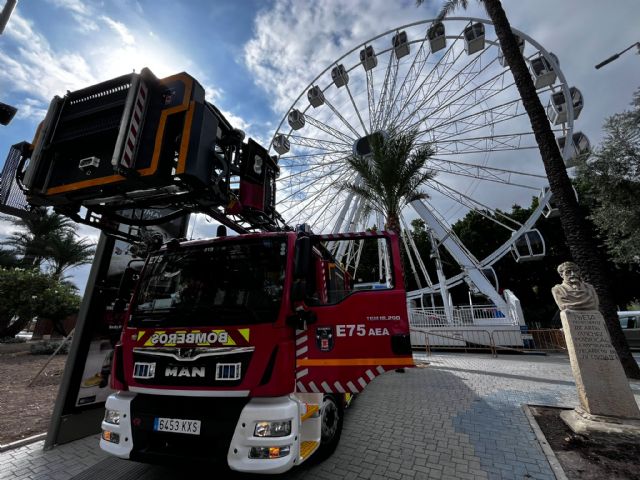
(269, 452)
(272, 429)
(112, 416)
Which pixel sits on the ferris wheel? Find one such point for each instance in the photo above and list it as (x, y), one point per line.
(447, 81)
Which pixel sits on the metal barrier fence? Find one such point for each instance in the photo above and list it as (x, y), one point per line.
(466, 315)
(544, 340)
(467, 340)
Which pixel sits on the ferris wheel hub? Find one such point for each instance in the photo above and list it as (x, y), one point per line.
(362, 146)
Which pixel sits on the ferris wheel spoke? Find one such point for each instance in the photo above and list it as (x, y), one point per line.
(341, 118)
(475, 205)
(419, 260)
(320, 144)
(311, 158)
(464, 173)
(446, 87)
(411, 77)
(446, 95)
(483, 172)
(387, 86)
(493, 143)
(329, 130)
(306, 183)
(316, 207)
(464, 127)
(488, 117)
(467, 100)
(355, 107)
(319, 166)
(391, 93)
(371, 98)
(439, 71)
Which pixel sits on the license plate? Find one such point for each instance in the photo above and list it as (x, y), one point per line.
(177, 425)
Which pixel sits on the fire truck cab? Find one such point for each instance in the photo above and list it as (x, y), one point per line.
(246, 348)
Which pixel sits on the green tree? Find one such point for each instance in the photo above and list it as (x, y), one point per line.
(66, 251)
(46, 238)
(576, 230)
(391, 176)
(609, 180)
(30, 293)
(35, 230)
(8, 259)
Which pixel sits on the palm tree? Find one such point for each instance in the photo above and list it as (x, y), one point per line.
(391, 176)
(577, 232)
(8, 259)
(66, 251)
(35, 231)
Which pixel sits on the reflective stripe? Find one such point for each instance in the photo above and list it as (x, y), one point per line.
(333, 362)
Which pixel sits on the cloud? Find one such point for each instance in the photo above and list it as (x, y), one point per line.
(120, 28)
(294, 41)
(80, 12)
(38, 70)
(32, 109)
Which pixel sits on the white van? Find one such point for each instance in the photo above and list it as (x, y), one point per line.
(630, 323)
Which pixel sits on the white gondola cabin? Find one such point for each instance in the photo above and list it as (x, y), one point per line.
(296, 119)
(579, 145)
(474, 38)
(520, 42)
(315, 96)
(281, 144)
(400, 44)
(542, 71)
(339, 76)
(550, 208)
(557, 110)
(436, 36)
(528, 247)
(368, 58)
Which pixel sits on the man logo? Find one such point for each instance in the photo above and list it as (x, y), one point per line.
(187, 352)
(190, 372)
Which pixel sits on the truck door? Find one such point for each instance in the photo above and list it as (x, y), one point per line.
(356, 304)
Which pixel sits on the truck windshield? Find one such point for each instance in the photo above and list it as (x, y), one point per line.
(227, 282)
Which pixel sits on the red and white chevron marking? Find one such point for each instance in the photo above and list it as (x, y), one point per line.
(350, 387)
(135, 127)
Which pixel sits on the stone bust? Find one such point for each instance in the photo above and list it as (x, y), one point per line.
(573, 293)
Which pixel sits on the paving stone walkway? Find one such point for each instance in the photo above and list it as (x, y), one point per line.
(459, 418)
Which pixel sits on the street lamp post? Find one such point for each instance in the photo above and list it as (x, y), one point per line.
(613, 57)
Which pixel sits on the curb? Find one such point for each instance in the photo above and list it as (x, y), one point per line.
(22, 442)
(546, 448)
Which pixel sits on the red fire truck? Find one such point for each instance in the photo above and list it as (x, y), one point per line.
(245, 348)
(241, 347)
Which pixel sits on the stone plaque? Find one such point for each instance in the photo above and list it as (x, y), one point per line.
(602, 385)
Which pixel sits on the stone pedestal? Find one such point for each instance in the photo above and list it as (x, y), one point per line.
(602, 385)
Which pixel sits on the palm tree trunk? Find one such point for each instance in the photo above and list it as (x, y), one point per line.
(579, 238)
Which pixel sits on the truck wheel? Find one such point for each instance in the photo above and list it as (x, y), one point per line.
(332, 411)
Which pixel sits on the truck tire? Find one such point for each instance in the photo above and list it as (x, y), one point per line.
(332, 418)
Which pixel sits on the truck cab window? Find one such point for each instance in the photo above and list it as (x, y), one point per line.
(348, 266)
(230, 281)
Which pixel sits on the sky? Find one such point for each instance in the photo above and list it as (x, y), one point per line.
(255, 57)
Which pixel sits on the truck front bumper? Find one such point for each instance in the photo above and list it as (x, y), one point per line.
(118, 439)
